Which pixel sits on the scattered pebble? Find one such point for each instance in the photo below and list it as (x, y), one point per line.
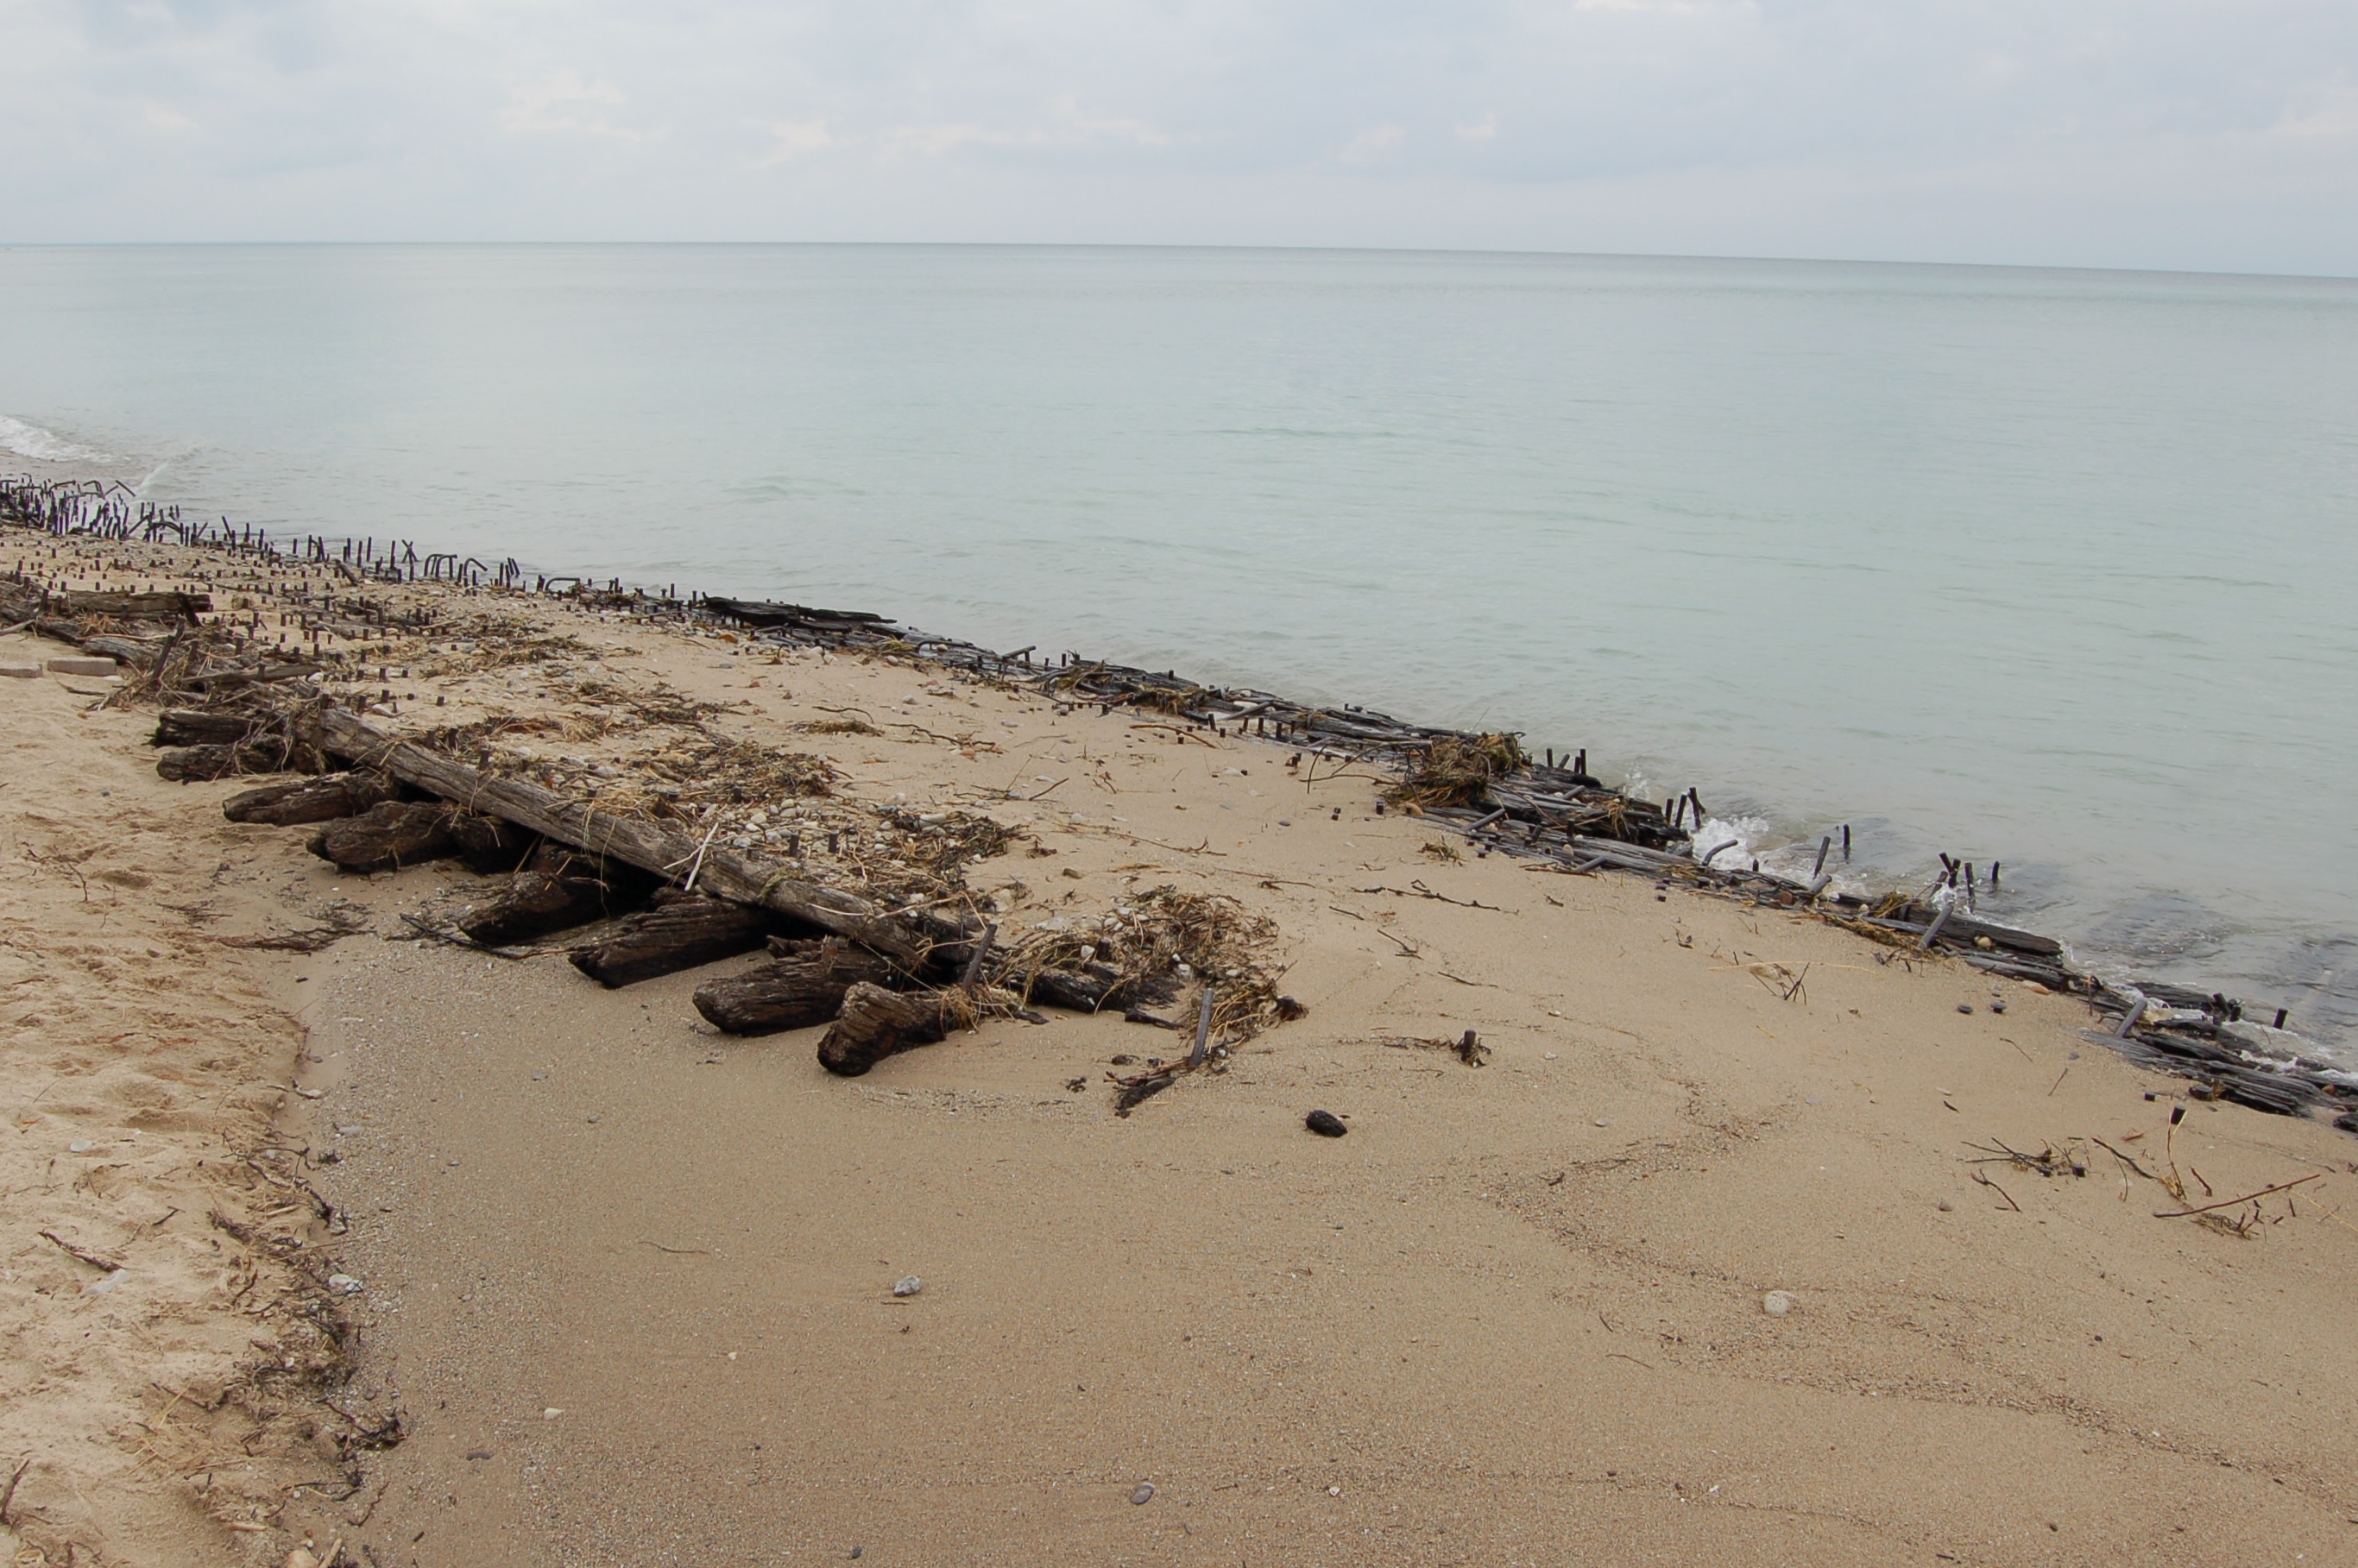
(1142, 1495)
(551, 1413)
(907, 1285)
(1965, 1006)
(1777, 1304)
(80, 1146)
(1324, 1123)
(345, 1285)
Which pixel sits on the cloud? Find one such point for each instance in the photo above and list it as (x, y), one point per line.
(565, 102)
(2326, 110)
(2164, 133)
(794, 139)
(1370, 146)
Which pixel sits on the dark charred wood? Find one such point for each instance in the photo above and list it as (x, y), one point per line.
(387, 836)
(138, 653)
(167, 605)
(1095, 988)
(559, 889)
(493, 847)
(875, 1023)
(803, 986)
(263, 754)
(681, 932)
(301, 802)
(204, 727)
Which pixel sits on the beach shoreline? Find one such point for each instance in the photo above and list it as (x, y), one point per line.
(1528, 1306)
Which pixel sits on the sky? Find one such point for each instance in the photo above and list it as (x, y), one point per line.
(2201, 135)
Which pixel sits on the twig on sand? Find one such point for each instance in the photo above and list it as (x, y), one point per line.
(679, 1251)
(8, 1494)
(92, 1259)
(2206, 1208)
(2001, 1192)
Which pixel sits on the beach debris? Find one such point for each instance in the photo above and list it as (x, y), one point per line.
(301, 802)
(1467, 1047)
(388, 835)
(907, 1285)
(1456, 769)
(345, 1285)
(1324, 1123)
(874, 1023)
(1778, 1304)
(1142, 1493)
(803, 986)
(682, 930)
(556, 889)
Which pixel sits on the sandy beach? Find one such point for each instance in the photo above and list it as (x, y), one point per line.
(334, 1239)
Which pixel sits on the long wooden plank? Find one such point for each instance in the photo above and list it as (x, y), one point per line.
(670, 855)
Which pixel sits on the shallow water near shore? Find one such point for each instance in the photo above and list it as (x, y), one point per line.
(2048, 568)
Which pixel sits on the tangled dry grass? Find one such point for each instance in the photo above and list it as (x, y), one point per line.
(1458, 771)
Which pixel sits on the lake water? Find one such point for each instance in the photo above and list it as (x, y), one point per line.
(2055, 569)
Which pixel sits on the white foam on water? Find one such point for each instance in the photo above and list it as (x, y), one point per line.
(1726, 843)
(30, 440)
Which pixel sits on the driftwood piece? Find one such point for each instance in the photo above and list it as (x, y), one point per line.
(681, 932)
(490, 845)
(204, 727)
(388, 837)
(300, 802)
(265, 754)
(875, 1023)
(647, 844)
(559, 889)
(1094, 988)
(802, 987)
(137, 653)
(168, 604)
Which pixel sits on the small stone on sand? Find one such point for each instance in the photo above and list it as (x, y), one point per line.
(1777, 1304)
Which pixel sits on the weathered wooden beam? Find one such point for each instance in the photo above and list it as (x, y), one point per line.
(682, 930)
(875, 1023)
(647, 844)
(803, 986)
(388, 837)
(301, 802)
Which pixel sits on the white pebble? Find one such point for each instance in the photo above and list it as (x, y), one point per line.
(1777, 1304)
(907, 1285)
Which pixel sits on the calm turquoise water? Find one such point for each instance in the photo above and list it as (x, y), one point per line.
(2049, 567)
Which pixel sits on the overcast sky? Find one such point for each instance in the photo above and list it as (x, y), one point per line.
(2203, 134)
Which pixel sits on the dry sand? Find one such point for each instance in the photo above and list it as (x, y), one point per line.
(629, 1281)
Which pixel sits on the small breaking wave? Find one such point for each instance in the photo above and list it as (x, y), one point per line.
(30, 440)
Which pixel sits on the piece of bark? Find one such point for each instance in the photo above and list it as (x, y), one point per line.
(388, 837)
(301, 802)
(875, 1023)
(166, 605)
(681, 932)
(645, 844)
(802, 987)
(204, 727)
(559, 889)
(490, 845)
